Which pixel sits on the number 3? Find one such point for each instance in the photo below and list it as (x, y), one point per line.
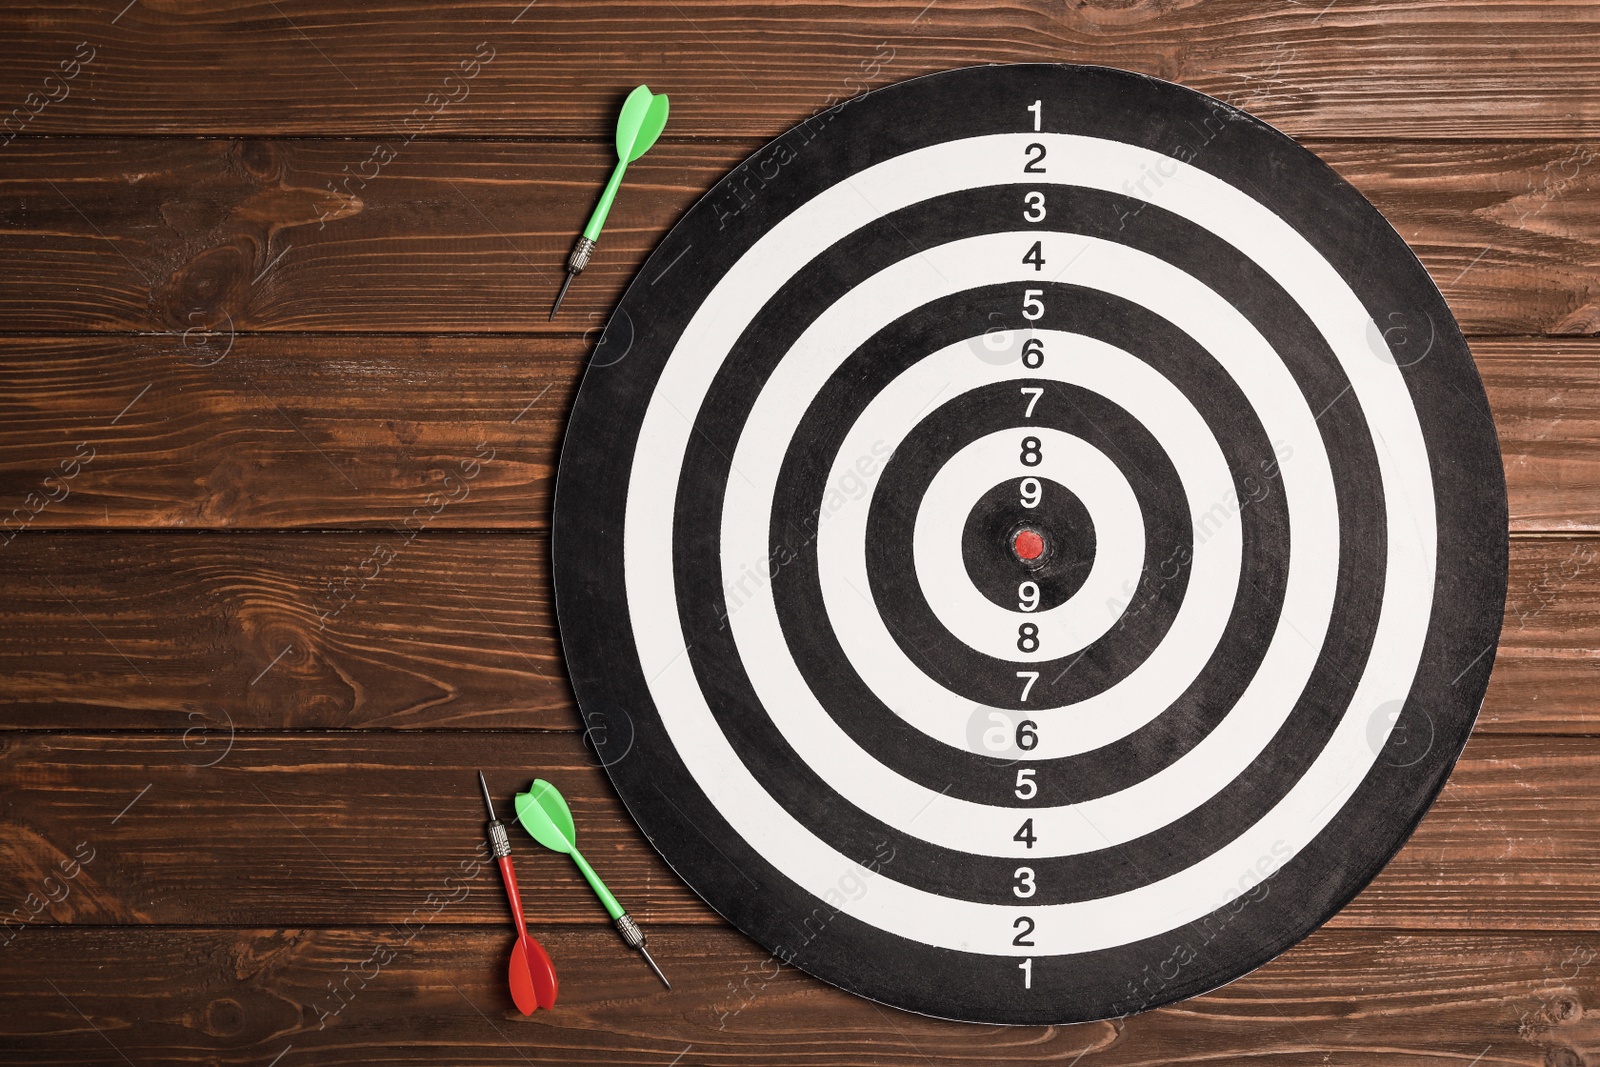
(1024, 886)
(1035, 202)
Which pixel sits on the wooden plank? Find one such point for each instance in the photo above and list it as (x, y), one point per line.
(236, 997)
(275, 431)
(356, 431)
(378, 630)
(331, 826)
(1545, 399)
(385, 631)
(199, 240)
(1514, 68)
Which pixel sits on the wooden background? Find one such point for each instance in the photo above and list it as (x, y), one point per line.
(266, 276)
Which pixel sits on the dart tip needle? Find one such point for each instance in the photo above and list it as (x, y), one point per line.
(562, 295)
(488, 801)
(647, 958)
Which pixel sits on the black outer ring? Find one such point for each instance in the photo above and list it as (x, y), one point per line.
(815, 802)
(1464, 622)
(950, 320)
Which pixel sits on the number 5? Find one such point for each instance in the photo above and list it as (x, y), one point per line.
(1032, 305)
(1027, 788)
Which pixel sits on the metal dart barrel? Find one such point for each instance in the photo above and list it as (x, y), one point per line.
(635, 938)
(578, 260)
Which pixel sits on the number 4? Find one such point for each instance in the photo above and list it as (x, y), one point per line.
(1034, 393)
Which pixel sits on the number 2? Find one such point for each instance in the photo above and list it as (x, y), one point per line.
(1022, 932)
(1035, 153)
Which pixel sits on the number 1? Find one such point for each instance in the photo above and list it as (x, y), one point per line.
(1026, 967)
(1037, 107)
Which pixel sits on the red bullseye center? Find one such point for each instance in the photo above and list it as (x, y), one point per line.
(1029, 544)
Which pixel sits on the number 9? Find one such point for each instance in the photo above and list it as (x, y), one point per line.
(1028, 596)
(1032, 492)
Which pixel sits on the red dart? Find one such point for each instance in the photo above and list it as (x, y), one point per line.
(532, 975)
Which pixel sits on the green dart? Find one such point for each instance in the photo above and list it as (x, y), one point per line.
(644, 116)
(543, 812)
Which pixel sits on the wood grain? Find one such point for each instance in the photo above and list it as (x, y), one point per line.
(270, 431)
(200, 240)
(1509, 69)
(379, 630)
(267, 269)
(264, 431)
(304, 828)
(238, 997)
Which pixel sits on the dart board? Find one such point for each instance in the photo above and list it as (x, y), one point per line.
(1030, 544)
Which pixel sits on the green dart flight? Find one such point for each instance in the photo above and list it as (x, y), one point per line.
(643, 117)
(543, 812)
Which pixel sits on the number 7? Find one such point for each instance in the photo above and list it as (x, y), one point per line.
(1031, 676)
(1037, 393)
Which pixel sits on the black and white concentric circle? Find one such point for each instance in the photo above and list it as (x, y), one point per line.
(1145, 754)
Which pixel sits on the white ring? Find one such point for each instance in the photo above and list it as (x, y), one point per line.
(1114, 712)
(941, 566)
(810, 230)
(902, 686)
